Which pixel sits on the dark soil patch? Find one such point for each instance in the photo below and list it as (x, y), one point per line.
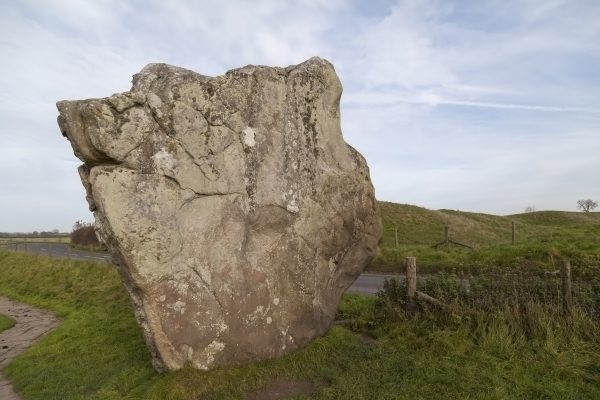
(282, 389)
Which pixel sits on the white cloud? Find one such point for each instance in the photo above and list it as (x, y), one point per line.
(436, 49)
(400, 50)
(449, 101)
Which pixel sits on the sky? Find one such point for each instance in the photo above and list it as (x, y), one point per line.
(489, 106)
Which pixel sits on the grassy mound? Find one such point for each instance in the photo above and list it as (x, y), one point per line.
(542, 238)
(558, 218)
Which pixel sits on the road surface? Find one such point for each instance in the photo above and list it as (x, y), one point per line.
(59, 250)
(370, 283)
(365, 284)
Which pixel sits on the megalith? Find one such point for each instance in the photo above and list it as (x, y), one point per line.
(233, 208)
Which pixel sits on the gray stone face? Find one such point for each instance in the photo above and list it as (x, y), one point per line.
(235, 211)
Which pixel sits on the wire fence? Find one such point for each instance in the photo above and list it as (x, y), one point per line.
(495, 290)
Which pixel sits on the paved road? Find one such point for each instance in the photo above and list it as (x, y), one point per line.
(59, 250)
(365, 284)
(370, 283)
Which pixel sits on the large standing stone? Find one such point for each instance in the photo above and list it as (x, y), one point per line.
(233, 207)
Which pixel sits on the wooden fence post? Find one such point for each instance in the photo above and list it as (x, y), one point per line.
(567, 293)
(396, 232)
(411, 284)
(513, 232)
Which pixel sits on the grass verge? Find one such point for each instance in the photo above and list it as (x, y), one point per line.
(98, 351)
(6, 322)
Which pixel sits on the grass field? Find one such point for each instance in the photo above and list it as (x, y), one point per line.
(497, 341)
(32, 239)
(6, 322)
(542, 239)
(380, 353)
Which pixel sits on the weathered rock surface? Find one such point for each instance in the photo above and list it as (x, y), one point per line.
(233, 207)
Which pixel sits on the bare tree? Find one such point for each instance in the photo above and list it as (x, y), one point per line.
(81, 224)
(586, 205)
(530, 209)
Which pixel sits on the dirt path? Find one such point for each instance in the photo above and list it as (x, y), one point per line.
(31, 325)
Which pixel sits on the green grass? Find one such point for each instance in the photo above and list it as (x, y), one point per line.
(557, 218)
(6, 322)
(98, 351)
(34, 239)
(542, 239)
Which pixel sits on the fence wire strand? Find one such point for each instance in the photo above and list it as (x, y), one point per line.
(494, 291)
